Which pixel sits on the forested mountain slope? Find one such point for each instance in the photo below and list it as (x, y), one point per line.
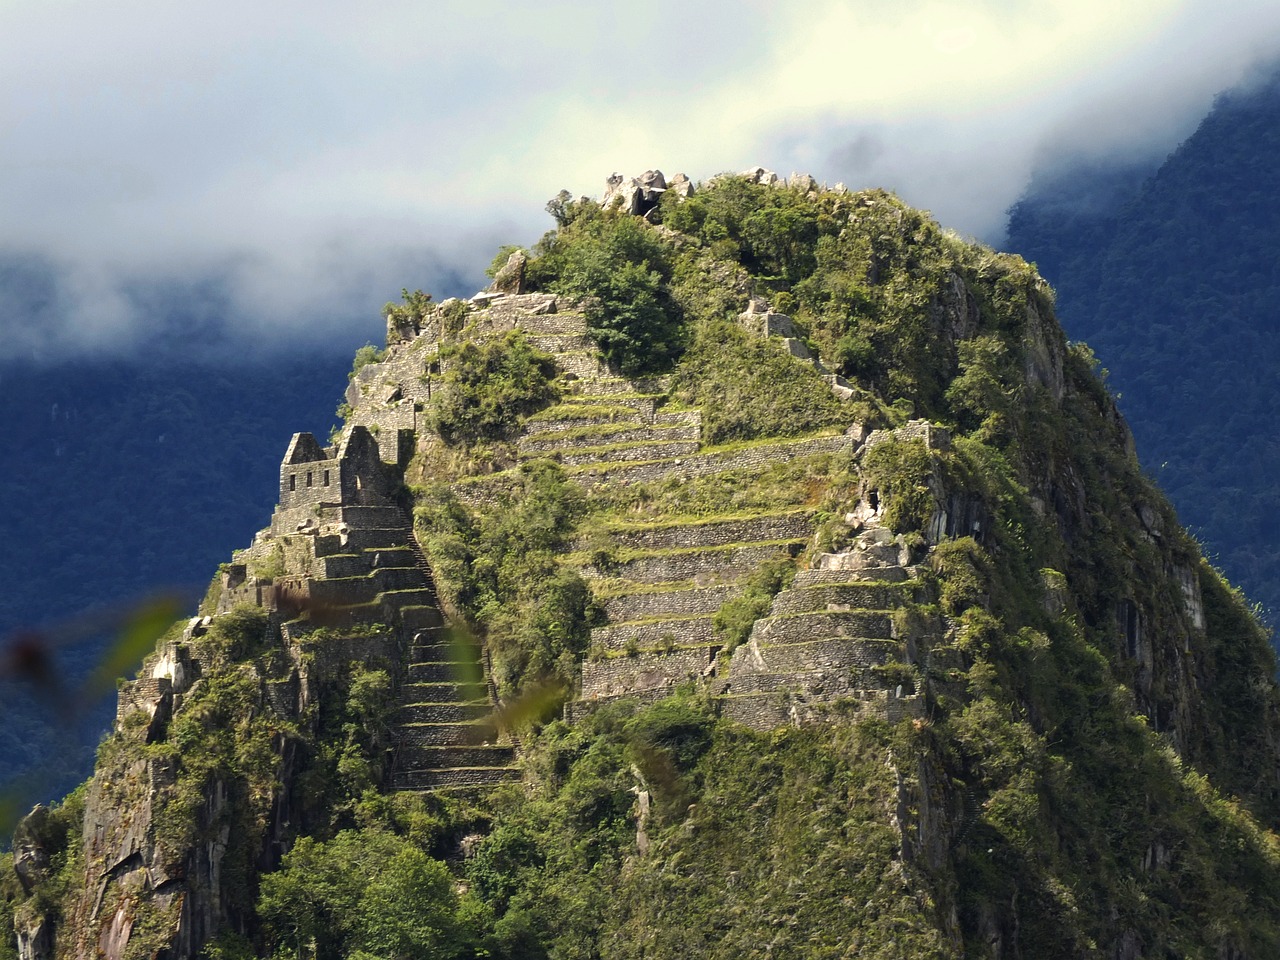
(1174, 282)
(756, 569)
(123, 478)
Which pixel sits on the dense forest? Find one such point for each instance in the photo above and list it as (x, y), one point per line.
(1170, 275)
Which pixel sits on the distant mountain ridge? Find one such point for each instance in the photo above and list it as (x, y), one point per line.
(1174, 281)
(124, 477)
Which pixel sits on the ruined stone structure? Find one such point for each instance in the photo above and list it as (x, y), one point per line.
(832, 641)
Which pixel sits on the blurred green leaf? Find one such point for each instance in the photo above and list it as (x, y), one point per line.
(137, 636)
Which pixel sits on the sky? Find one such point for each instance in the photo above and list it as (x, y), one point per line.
(276, 172)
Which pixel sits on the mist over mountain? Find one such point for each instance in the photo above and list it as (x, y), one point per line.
(1171, 276)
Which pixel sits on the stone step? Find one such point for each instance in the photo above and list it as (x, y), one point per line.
(749, 457)
(704, 566)
(606, 434)
(622, 418)
(855, 659)
(577, 709)
(816, 578)
(437, 672)
(444, 713)
(678, 631)
(626, 452)
(443, 692)
(357, 540)
(609, 386)
(568, 342)
(645, 406)
(705, 532)
(424, 756)
(363, 589)
(422, 780)
(825, 625)
(583, 365)
(689, 418)
(864, 595)
(446, 734)
(414, 597)
(768, 711)
(440, 647)
(698, 601)
(421, 617)
(622, 676)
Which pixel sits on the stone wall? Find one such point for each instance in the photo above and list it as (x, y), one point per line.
(312, 475)
(619, 676)
(577, 709)
(653, 633)
(824, 625)
(934, 436)
(704, 463)
(651, 450)
(767, 712)
(717, 533)
(704, 566)
(848, 596)
(549, 441)
(806, 579)
(700, 601)
(849, 658)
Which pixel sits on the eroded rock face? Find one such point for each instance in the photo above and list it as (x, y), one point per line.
(510, 279)
(639, 196)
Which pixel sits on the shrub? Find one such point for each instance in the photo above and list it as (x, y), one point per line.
(619, 267)
(489, 387)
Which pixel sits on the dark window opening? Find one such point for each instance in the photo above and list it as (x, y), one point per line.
(293, 482)
(326, 478)
(873, 500)
(308, 478)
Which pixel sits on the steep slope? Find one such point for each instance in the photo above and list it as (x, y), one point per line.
(821, 605)
(1175, 286)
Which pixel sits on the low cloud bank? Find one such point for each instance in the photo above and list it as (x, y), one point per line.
(273, 175)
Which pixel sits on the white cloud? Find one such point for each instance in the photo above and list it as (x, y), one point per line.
(314, 159)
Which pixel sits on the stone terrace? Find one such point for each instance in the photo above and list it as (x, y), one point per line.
(833, 636)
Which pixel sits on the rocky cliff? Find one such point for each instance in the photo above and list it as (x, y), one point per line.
(754, 568)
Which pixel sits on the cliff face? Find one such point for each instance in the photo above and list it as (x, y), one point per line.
(866, 633)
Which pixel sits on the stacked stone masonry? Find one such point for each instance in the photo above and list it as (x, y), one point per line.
(827, 644)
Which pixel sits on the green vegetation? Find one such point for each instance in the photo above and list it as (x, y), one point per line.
(364, 893)
(749, 389)
(488, 388)
(498, 569)
(622, 269)
(1089, 766)
(410, 313)
(734, 619)
(364, 356)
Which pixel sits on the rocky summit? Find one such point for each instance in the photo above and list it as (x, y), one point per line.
(753, 569)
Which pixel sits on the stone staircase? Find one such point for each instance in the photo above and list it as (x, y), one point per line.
(367, 569)
(663, 590)
(445, 731)
(833, 635)
(840, 634)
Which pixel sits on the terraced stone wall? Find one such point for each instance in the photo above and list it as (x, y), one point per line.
(617, 676)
